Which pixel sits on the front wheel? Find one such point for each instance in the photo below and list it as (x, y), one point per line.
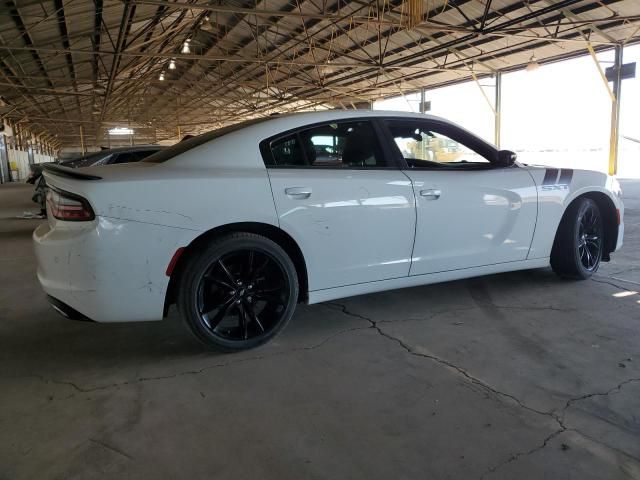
(579, 243)
(239, 292)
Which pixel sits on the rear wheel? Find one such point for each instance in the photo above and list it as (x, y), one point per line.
(579, 242)
(238, 293)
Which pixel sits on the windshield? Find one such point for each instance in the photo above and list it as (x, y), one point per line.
(185, 145)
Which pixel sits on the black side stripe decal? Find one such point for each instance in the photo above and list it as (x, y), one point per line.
(566, 175)
(550, 176)
(553, 176)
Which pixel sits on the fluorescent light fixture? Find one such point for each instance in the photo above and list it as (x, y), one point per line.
(328, 68)
(533, 64)
(185, 47)
(161, 77)
(120, 131)
(172, 64)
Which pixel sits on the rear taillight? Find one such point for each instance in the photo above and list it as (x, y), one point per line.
(69, 206)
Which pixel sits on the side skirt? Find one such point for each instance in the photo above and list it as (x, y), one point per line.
(317, 296)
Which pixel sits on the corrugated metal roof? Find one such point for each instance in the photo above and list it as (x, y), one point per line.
(66, 63)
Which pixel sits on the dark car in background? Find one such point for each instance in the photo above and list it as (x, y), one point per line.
(103, 157)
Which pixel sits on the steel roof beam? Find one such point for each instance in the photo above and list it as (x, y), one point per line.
(26, 36)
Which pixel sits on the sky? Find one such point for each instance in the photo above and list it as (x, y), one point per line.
(560, 113)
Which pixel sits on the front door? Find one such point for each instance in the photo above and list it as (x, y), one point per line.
(469, 213)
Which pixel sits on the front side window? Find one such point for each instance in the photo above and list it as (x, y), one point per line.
(336, 145)
(426, 146)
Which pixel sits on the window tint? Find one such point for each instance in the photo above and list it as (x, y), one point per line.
(288, 151)
(141, 154)
(425, 146)
(135, 156)
(122, 158)
(98, 158)
(337, 145)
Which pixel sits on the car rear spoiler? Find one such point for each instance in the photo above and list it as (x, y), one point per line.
(61, 171)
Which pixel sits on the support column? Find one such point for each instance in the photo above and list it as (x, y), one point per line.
(615, 112)
(498, 110)
(178, 118)
(5, 170)
(422, 96)
(82, 139)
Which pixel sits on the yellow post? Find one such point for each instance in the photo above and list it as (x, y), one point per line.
(614, 94)
(498, 110)
(615, 113)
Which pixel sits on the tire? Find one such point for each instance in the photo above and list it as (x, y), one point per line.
(579, 243)
(238, 293)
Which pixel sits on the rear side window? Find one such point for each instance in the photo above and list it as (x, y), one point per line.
(332, 145)
(288, 151)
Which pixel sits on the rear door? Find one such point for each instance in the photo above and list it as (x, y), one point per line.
(345, 202)
(469, 212)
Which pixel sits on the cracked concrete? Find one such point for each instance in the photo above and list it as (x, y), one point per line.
(519, 375)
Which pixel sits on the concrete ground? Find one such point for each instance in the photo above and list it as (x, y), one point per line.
(512, 376)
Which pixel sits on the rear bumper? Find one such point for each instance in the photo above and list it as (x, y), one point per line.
(108, 270)
(66, 311)
(619, 242)
(619, 205)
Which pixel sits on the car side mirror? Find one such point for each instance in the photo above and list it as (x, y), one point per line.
(506, 158)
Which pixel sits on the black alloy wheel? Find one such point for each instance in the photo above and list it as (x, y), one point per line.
(239, 293)
(579, 243)
(589, 238)
(242, 295)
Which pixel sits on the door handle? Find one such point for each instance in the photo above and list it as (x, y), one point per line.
(430, 194)
(298, 192)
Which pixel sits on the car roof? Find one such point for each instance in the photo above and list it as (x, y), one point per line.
(290, 121)
(133, 148)
(287, 121)
(328, 115)
(269, 127)
(342, 113)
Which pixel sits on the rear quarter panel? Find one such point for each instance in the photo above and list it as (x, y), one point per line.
(219, 182)
(144, 213)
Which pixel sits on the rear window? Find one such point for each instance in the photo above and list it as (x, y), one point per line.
(133, 156)
(88, 160)
(181, 147)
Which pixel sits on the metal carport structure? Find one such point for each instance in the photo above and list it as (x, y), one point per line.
(71, 69)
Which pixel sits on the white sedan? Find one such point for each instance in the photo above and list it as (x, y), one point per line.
(238, 225)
